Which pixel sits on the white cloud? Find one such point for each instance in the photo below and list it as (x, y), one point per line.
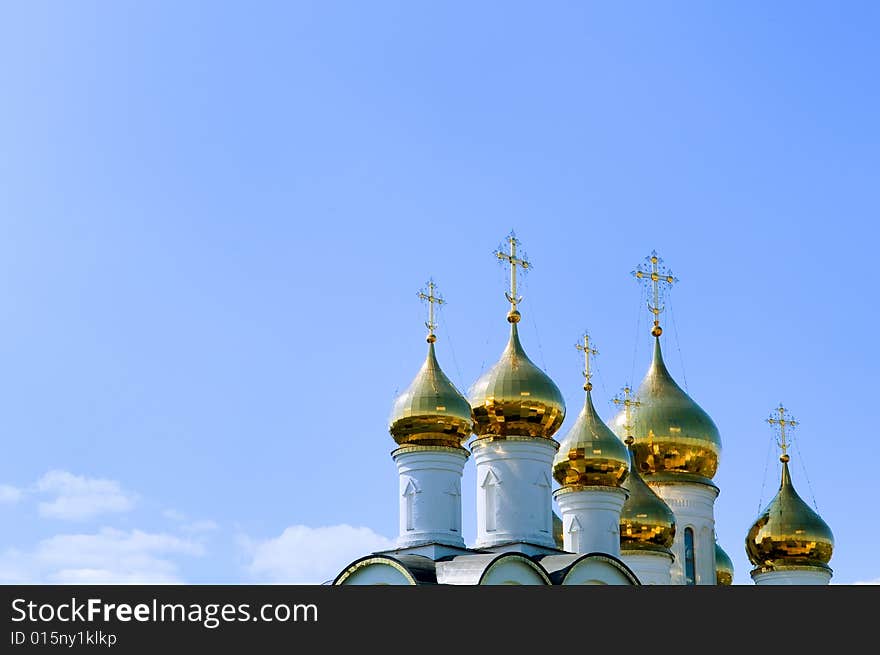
(192, 527)
(78, 497)
(9, 494)
(16, 567)
(875, 581)
(109, 576)
(109, 556)
(305, 555)
(174, 515)
(200, 527)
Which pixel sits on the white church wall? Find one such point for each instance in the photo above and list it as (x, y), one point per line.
(514, 571)
(793, 576)
(375, 571)
(594, 568)
(652, 568)
(591, 519)
(595, 572)
(514, 490)
(429, 495)
(491, 569)
(694, 507)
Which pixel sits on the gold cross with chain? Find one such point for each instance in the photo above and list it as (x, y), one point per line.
(514, 261)
(655, 273)
(432, 300)
(783, 420)
(628, 403)
(587, 350)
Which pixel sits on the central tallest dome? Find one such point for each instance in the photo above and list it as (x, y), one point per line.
(515, 397)
(674, 437)
(673, 434)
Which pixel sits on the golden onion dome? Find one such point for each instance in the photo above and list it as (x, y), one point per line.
(590, 454)
(515, 397)
(788, 532)
(646, 522)
(558, 539)
(674, 437)
(723, 567)
(431, 412)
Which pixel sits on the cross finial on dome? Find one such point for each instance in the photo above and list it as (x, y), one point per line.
(587, 350)
(511, 258)
(781, 419)
(625, 398)
(654, 273)
(432, 300)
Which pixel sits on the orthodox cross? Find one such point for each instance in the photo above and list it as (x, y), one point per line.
(514, 261)
(624, 398)
(655, 273)
(780, 419)
(432, 300)
(587, 350)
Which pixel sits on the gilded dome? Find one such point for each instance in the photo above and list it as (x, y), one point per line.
(431, 412)
(515, 397)
(558, 539)
(788, 532)
(723, 567)
(646, 522)
(673, 435)
(590, 453)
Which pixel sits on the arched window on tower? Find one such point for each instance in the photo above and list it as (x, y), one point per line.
(490, 499)
(690, 576)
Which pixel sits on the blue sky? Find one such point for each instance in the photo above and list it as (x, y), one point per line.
(214, 219)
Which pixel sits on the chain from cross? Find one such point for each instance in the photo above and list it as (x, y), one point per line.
(513, 261)
(654, 273)
(781, 419)
(587, 350)
(432, 300)
(625, 398)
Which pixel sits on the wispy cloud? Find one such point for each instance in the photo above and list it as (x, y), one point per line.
(875, 581)
(174, 515)
(108, 556)
(77, 498)
(10, 494)
(306, 555)
(200, 527)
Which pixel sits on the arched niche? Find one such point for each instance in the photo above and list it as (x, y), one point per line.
(375, 571)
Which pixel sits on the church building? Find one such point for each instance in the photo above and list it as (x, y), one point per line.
(635, 496)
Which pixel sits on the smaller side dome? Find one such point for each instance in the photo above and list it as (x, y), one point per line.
(558, 537)
(431, 412)
(590, 454)
(646, 522)
(788, 532)
(723, 567)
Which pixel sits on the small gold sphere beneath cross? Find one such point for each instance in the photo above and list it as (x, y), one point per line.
(513, 316)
